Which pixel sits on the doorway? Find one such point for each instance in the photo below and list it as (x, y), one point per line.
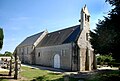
(57, 61)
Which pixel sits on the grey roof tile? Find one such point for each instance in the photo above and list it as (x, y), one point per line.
(61, 36)
(30, 40)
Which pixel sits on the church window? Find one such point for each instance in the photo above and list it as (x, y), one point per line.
(85, 17)
(63, 52)
(88, 17)
(87, 36)
(39, 54)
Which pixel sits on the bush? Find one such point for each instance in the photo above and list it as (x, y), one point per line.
(6, 54)
(104, 59)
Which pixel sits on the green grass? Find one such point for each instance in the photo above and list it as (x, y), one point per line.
(105, 76)
(32, 74)
(37, 74)
(3, 79)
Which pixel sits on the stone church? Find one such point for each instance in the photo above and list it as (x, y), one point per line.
(68, 49)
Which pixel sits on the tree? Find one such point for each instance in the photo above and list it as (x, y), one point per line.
(106, 37)
(1, 38)
(7, 53)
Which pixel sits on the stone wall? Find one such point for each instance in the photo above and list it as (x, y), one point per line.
(45, 55)
(82, 59)
(24, 53)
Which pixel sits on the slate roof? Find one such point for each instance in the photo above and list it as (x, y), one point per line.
(30, 40)
(61, 37)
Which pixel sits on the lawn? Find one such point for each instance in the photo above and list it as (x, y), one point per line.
(105, 75)
(33, 74)
(39, 75)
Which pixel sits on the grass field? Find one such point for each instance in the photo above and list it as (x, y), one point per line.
(105, 75)
(39, 75)
(33, 74)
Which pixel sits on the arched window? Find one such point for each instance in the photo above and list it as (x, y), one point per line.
(39, 54)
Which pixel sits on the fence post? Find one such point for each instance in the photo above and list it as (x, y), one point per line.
(10, 66)
(16, 66)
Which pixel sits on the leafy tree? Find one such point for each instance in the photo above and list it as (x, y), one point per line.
(7, 53)
(1, 37)
(106, 37)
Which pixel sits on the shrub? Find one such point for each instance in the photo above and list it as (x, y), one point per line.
(104, 59)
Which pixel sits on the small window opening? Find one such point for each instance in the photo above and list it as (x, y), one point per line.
(85, 17)
(87, 36)
(39, 54)
(88, 18)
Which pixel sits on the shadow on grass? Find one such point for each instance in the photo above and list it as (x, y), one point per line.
(40, 78)
(48, 77)
(44, 78)
(105, 75)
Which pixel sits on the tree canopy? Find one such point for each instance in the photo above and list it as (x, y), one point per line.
(1, 37)
(106, 37)
(7, 53)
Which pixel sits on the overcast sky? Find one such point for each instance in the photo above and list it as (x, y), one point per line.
(22, 18)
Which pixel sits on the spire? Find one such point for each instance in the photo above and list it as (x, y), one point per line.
(85, 10)
(85, 6)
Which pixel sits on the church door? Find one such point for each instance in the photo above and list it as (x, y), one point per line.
(57, 61)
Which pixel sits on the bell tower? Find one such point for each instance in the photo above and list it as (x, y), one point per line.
(85, 49)
(85, 18)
